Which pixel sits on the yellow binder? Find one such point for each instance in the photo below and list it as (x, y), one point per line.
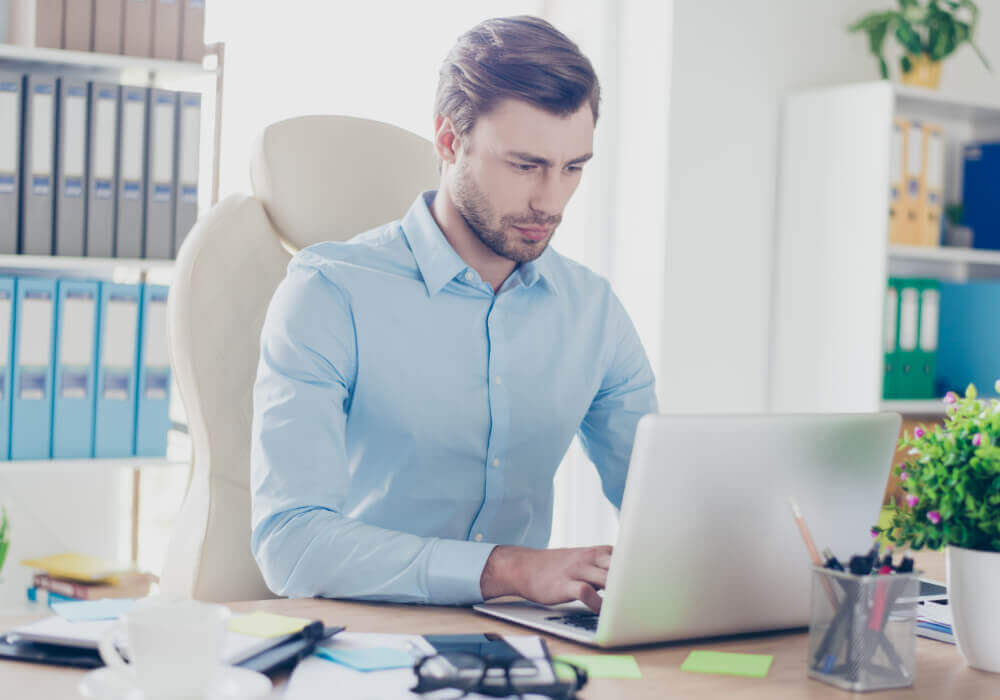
(897, 178)
(931, 186)
(913, 162)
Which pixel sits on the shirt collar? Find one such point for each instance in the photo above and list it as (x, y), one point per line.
(437, 260)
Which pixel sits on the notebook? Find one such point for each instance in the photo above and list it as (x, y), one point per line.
(85, 635)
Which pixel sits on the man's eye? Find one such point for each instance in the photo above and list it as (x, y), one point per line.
(575, 168)
(524, 167)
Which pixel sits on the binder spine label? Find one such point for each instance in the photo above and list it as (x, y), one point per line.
(32, 386)
(74, 383)
(102, 189)
(157, 384)
(41, 185)
(131, 190)
(161, 193)
(116, 384)
(73, 187)
(7, 184)
(189, 194)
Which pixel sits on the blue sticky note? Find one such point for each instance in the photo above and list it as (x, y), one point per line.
(375, 659)
(89, 610)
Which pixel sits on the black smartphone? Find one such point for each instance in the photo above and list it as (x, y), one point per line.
(490, 646)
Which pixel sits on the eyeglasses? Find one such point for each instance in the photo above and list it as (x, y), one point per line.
(456, 674)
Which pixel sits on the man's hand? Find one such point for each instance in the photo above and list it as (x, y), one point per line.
(547, 576)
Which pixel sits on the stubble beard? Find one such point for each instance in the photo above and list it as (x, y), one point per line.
(475, 209)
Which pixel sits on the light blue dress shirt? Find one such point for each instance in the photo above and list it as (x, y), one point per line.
(407, 419)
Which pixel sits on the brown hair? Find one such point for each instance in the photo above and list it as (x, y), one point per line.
(525, 58)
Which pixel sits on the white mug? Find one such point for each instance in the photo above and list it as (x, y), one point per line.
(174, 646)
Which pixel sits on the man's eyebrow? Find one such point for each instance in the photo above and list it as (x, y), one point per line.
(538, 160)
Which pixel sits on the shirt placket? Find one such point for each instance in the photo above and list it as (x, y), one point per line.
(499, 405)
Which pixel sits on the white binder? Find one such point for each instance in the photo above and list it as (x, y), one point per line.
(10, 160)
(71, 168)
(188, 141)
(38, 165)
(131, 172)
(160, 174)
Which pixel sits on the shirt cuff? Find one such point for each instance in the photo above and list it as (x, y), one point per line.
(454, 571)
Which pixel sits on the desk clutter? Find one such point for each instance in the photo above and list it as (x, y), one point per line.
(167, 29)
(85, 372)
(71, 576)
(862, 622)
(96, 169)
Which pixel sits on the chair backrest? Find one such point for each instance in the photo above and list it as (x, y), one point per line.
(315, 178)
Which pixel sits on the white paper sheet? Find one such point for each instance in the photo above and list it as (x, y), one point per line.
(316, 678)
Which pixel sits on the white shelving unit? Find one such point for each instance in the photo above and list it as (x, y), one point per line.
(832, 254)
(206, 78)
(931, 407)
(88, 465)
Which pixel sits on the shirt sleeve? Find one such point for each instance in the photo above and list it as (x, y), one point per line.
(302, 541)
(627, 393)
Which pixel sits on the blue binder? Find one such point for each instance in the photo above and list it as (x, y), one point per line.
(7, 286)
(34, 340)
(117, 350)
(153, 404)
(76, 367)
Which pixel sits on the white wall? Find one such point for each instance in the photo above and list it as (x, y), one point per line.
(732, 63)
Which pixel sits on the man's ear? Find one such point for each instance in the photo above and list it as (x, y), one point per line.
(446, 141)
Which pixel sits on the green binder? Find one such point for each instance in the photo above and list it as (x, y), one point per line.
(925, 374)
(908, 356)
(890, 341)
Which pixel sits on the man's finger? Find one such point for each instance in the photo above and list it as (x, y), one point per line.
(603, 561)
(594, 575)
(585, 593)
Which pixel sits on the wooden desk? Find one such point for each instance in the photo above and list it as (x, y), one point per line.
(941, 672)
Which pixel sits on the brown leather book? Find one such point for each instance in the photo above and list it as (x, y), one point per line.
(108, 26)
(137, 28)
(35, 23)
(193, 30)
(79, 25)
(167, 29)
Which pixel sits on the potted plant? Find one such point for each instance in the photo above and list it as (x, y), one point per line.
(952, 499)
(928, 32)
(4, 536)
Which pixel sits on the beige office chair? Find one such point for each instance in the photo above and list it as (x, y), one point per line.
(314, 179)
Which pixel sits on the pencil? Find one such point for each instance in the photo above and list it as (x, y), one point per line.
(811, 548)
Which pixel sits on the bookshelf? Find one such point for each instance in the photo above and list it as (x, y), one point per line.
(88, 465)
(832, 256)
(206, 78)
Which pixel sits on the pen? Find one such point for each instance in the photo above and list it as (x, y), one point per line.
(831, 561)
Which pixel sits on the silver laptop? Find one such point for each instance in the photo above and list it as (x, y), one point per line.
(707, 543)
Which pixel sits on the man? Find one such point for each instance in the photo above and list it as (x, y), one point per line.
(419, 384)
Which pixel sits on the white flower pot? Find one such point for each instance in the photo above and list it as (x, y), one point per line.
(974, 592)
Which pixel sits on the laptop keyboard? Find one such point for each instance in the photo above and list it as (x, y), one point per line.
(585, 621)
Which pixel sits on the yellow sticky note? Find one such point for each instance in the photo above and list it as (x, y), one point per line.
(263, 624)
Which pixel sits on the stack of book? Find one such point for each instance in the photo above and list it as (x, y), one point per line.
(72, 576)
(934, 621)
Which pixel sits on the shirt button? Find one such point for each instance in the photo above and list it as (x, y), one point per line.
(469, 276)
(496, 462)
(496, 380)
(478, 537)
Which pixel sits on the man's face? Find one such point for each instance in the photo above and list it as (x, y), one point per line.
(516, 169)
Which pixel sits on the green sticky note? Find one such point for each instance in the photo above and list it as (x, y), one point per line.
(604, 665)
(263, 624)
(753, 665)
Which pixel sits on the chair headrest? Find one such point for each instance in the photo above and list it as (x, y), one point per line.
(323, 178)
